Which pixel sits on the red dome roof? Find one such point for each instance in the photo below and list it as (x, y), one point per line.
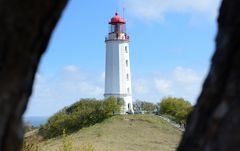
(117, 19)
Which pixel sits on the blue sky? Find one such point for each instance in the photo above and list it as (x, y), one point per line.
(171, 46)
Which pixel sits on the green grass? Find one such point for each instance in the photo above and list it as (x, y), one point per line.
(124, 133)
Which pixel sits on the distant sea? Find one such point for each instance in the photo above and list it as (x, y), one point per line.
(36, 121)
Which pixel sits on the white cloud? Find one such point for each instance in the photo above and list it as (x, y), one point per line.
(70, 84)
(71, 68)
(189, 80)
(140, 86)
(186, 75)
(163, 86)
(157, 9)
(179, 82)
(64, 88)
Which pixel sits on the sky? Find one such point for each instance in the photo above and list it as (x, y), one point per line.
(171, 46)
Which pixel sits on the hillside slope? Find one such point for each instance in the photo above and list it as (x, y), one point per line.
(124, 133)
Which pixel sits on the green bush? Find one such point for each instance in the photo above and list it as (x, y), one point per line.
(81, 114)
(178, 108)
(112, 105)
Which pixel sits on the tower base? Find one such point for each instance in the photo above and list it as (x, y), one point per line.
(127, 107)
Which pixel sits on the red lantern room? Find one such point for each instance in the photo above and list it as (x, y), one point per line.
(117, 24)
(117, 29)
(117, 19)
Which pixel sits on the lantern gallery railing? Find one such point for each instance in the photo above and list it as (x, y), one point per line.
(117, 36)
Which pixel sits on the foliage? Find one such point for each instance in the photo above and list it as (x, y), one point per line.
(86, 147)
(66, 143)
(148, 106)
(31, 143)
(112, 105)
(140, 106)
(81, 114)
(178, 108)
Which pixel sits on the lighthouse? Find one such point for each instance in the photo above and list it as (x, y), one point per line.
(117, 69)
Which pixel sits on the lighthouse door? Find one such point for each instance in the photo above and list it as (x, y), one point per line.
(129, 107)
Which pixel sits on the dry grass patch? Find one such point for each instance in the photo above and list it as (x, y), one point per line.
(124, 133)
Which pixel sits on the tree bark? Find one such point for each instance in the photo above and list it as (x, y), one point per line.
(214, 125)
(25, 29)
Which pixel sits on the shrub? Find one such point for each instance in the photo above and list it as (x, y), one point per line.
(176, 107)
(112, 105)
(81, 114)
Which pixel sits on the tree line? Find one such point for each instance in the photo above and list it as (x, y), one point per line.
(88, 112)
(176, 109)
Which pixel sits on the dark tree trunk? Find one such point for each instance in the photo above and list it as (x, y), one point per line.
(215, 123)
(25, 29)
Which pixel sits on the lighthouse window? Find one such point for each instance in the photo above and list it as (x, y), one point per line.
(127, 63)
(126, 49)
(111, 28)
(128, 90)
(127, 76)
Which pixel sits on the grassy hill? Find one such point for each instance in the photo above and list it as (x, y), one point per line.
(124, 133)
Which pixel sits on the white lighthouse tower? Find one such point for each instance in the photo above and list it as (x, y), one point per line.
(117, 72)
